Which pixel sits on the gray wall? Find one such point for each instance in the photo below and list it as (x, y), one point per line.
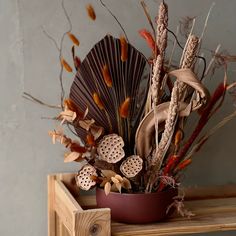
(28, 62)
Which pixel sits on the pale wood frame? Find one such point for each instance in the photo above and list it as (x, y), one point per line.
(215, 209)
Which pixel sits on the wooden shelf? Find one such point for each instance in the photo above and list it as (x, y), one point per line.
(214, 209)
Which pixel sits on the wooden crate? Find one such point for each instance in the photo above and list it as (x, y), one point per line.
(72, 215)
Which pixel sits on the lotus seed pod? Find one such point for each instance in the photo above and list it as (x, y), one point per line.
(83, 179)
(110, 148)
(131, 166)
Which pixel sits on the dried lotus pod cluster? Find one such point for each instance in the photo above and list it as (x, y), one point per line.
(131, 166)
(83, 179)
(110, 148)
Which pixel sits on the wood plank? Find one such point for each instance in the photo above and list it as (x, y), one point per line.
(65, 205)
(211, 215)
(96, 222)
(51, 209)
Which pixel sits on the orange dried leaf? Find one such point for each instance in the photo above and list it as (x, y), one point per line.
(124, 49)
(68, 103)
(124, 108)
(90, 140)
(107, 76)
(90, 11)
(73, 39)
(66, 66)
(75, 147)
(148, 38)
(98, 101)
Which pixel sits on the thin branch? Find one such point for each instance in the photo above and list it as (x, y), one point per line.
(36, 100)
(51, 38)
(118, 22)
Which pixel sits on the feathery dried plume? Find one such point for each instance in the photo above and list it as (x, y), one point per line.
(188, 60)
(162, 23)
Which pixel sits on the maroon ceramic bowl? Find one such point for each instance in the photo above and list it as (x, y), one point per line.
(136, 208)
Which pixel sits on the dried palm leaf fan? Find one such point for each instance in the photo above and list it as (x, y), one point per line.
(112, 83)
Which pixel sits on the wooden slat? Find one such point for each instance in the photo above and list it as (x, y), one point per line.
(215, 210)
(51, 211)
(211, 215)
(96, 222)
(65, 205)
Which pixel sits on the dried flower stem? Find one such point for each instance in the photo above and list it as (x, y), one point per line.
(220, 90)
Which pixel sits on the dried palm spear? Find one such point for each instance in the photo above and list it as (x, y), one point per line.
(112, 83)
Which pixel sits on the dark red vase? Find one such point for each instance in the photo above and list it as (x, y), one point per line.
(137, 208)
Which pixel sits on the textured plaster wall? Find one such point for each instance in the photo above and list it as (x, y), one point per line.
(28, 62)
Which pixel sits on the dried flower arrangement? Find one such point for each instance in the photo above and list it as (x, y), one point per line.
(129, 113)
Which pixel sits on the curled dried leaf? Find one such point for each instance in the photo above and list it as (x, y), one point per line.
(98, 101)
(107, 76)
(90, 11)
(73, 39)
(66, 66)
(110, 148)
(124, 49)
(124, 108)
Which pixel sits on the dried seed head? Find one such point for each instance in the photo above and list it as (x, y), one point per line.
(124, 108)
(107, 76)
(73, 38)
(98, 101)
(124, 49)
(110, 148)
(83, 179)
(131, 166)
(91, 12)
(66, 65)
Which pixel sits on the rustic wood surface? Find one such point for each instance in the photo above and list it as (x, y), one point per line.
(214, 208)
